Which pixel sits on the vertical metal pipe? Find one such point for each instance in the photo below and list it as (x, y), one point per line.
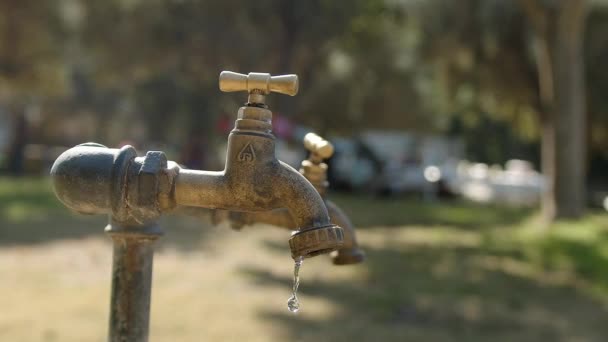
(131, 281)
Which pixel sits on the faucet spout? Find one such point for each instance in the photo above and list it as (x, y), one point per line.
(349, 253)
(315, 171)
(301, 199)
(290, 217)
(255, 180)
(261, 184)
(307, 209)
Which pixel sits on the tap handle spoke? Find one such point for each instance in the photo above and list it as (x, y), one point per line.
(258, 83)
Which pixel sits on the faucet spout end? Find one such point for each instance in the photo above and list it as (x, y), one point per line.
(315, 241)
(348, 256)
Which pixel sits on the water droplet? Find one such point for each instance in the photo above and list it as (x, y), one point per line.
(293, 304)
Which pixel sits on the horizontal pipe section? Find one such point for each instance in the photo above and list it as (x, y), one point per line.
(205, 189)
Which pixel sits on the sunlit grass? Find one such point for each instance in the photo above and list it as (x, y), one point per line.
(367, 211)
(23, 199)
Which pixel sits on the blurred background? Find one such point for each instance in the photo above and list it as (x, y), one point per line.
(471, 154)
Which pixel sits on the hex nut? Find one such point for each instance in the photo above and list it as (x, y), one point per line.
(148, 184)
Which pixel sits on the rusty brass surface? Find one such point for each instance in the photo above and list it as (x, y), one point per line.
(254, 180)
(93, 179)
(131, 280)
(135, 191)
(315, 170)
(349, 253)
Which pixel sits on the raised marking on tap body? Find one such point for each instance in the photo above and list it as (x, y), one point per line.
(247, 154)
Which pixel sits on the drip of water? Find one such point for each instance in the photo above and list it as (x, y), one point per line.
(293, 304)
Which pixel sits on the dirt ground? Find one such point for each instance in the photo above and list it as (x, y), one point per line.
(421, 282)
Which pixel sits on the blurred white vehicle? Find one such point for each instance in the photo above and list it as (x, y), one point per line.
(518, 184)
(394, 162)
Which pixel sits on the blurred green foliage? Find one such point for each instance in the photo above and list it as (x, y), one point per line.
(364, 64)
(22, 199)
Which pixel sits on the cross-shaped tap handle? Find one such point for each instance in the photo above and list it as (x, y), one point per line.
(318, 146)
(258, 83)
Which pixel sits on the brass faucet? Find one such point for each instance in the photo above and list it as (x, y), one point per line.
(135, 191)
(315, 170)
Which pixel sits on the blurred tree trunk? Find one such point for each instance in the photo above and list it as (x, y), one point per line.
(16, 151)
(559, 30)
(289, 21)
(570, 101)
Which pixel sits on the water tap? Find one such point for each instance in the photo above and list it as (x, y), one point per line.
(92, 178)
(315, 170)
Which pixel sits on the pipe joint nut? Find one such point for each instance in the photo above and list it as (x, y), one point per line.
(144, 196)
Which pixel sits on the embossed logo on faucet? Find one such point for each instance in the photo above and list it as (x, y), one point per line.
(247, 154)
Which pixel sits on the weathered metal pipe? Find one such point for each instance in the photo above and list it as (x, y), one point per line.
(287, 190)
(315, 170)
(131, 280)
(135, 191)
(93, 179)
(271, 184)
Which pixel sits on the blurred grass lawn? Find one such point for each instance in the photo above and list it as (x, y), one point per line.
(443, 272)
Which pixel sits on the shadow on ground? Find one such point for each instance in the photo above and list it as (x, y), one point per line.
(434, 272)
(443, 294)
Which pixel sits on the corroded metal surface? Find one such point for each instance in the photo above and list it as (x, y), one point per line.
(136, 191)
(131, 281)
(349, 253)
(94, 179)
(315, 170)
